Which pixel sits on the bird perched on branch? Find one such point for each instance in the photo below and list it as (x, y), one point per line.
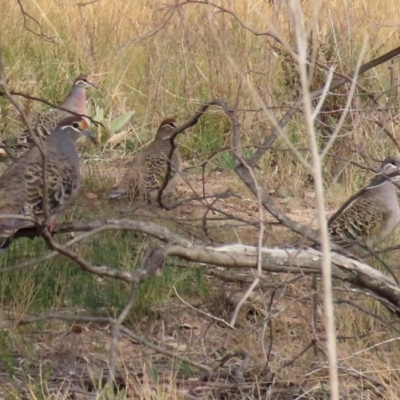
(147, 172)
(372, 216)
(21, 184)
(47, 121)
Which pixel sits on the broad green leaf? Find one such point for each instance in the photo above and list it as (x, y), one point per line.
(120, 121)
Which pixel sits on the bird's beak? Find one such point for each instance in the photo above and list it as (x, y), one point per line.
(93, 85)
(91, 136)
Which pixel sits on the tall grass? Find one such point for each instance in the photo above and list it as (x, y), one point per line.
(169, 72)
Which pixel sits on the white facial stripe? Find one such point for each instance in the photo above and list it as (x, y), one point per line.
(170, 125)
(390, 165)
(72, 127)
(82, 81)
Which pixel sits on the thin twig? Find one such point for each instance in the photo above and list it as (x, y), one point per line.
(34, 98)
(270, 140)
(124, 330)
(202, 312)
(26, 17)
(116, 333)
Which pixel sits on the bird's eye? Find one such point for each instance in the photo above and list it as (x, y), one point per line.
(75, 125)
(84, 80)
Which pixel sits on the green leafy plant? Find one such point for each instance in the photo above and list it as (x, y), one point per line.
(119, 122)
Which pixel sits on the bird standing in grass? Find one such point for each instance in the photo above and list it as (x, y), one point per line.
(21, 184)
(373, 216)
(147, 172)
(47, 121)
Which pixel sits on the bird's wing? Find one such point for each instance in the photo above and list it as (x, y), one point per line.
(155, 169)
(129, 184)
(13, 193)
(358, 222)
(21, 191)
(45, 124)
(62, 181)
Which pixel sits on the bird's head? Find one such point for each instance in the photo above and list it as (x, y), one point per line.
(76, 127)
(166, 129)
(84, 81)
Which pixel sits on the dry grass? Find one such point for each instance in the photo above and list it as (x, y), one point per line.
(169, 73)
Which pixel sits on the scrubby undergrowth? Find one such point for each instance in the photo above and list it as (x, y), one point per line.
(199, 52)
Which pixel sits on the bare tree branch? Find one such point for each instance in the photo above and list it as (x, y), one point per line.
(270, 140)
(29, 97)
(164, 21)
(77, 4)
(27, 17)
